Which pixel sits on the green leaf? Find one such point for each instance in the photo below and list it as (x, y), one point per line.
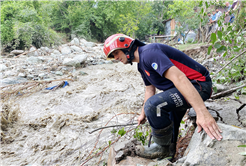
(221, 49)
(206, 4)
(113, 131)
(109, 143)
(182, 122)
(225, 54)
(236, 49)
(242, 153)
(122, 132)
(217, 45)
(215, 89)
(219, 33)
(242, 146)
(230, 41)
(213, 38)
(200, 4)
(209, 49)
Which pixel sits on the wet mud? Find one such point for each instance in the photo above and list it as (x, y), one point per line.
(51, 127)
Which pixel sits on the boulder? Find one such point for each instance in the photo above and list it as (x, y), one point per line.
(89, 44)
(17, 52)
(75, 41)
(33, 59)
(71, 62)
(202, 150)
(76, 49)
(80, 57)
(66, 50)
(3, 67)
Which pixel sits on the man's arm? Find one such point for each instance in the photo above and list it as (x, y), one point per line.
(149, 91)
(204, 119)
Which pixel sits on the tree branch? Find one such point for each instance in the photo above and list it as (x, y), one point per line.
(111, 126)
(230, 62)
(224, 93)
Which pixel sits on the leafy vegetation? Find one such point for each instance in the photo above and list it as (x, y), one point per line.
(43, 23)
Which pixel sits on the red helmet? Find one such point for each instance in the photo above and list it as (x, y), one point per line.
(115, 42)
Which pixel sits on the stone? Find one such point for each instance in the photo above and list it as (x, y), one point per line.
(29, 77)
(71, 62)
(59, 73)
(89, 44)
(80, 57)
(23, 75)
(163, 162)
(76, 49)
(82, 73)
(202, 150)
(33, 59)
(11, 55)
(56, 52)
(2, 67)
(221, 87)
(17, 52)
(75, 41)
(9, 73)
(41, 75)
(82, 41)
(66, 50)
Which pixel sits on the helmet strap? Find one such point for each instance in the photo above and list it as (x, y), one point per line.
(130, 54)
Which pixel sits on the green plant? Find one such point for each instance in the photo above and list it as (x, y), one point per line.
(142, 133)
(242, 153)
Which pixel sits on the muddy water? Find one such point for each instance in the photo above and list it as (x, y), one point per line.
(52, 127)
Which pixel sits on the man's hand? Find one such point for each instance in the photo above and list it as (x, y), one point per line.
(206, 121)
(141, 119)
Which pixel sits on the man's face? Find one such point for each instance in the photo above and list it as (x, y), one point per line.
(209, 14)
(120, 56)
(217, 10)
(214, 13)
(227, 4)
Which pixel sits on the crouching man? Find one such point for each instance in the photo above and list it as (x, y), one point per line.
(185, 83)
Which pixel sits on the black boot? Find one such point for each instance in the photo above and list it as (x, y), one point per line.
(161, 147)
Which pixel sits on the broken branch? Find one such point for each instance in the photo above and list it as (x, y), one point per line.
(224, 93)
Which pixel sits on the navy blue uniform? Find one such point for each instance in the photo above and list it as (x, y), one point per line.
(169, 105)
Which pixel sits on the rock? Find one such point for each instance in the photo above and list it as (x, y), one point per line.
(2, 67)
(80, 57)
(29, 77)
(82, 73)
(56, 52)
(41, 75)
(71, 62)
(83, 41)
(32, 48)
(17, 52)
(46, 50)
(59, 73)
(163, 162)
(75, 41)
(23, 75)
(119, 156)
(76, 49)
(9, 73)
(33, 59)
(192, 113)
(89, 44)
(221, 87)
(11, 55)
(33, 53)
(66, 50)
(202, 150)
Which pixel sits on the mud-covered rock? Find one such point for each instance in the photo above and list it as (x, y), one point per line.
(202, 150)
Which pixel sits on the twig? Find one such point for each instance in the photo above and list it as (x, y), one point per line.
(229, 62)
(111, 126)
(101, 132)
(227, 92)
(105, 148)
